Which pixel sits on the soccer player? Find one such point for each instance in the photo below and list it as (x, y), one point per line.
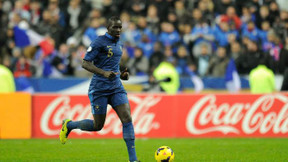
(103, 58)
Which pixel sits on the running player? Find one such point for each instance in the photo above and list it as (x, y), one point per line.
(103, 58)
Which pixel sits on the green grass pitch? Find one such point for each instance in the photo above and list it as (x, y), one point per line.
(114, 150)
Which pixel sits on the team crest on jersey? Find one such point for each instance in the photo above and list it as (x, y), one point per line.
(89, 49)
(110, 52)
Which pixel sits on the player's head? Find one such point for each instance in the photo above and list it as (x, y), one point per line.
(114, 26)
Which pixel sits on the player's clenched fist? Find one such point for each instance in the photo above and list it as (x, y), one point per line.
(109, 74)
(124, 75)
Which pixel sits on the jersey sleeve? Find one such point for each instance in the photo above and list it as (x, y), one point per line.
(92, 51)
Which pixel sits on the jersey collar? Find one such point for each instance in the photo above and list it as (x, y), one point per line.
(110, 36)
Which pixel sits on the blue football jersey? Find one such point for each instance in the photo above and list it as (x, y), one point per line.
(105, 52)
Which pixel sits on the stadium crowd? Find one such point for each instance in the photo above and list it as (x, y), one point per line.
(49, 38)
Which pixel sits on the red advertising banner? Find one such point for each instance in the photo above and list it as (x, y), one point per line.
(183, 115)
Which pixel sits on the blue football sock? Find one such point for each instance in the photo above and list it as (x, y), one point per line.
(86, 125)
(129, 138)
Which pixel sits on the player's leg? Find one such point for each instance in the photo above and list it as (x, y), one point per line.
(99, 108)
(119, 102)
(85, 125)
(88, 124)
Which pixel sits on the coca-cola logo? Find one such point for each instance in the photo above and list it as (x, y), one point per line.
(260, 116)
(61, 108)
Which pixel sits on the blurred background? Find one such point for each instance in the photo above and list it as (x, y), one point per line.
(212, 44)
(211, 69)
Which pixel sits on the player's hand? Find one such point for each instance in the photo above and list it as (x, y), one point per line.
(124, 75)
(109, 74)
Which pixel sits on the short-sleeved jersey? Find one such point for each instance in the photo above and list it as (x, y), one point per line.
(105, 52)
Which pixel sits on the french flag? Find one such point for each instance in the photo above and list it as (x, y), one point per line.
(232, 79)
(24, 37)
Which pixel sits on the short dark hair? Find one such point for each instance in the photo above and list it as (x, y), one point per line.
(112, 19)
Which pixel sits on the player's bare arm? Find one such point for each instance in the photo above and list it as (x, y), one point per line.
(93, 69)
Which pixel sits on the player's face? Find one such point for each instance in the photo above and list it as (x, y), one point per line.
(115, 28)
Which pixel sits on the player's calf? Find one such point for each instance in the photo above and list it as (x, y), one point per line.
(129, 138)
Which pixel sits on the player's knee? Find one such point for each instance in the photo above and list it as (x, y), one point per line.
(126, 119)
(98, 127)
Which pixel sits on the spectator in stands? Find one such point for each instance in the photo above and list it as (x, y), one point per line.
(54, 9)
(254, 6)
(274, 45)
(22, 68)
(145, 30)
(183, 60)
(137, 8)
(172, 18)
(263, 15)
(283, 60)
(43, 63)
(169, 56)
(93, 31)
(8, 63)
(222, 34)
(274, 10)
(156, 57)
(201, 34)
(20, 10)
(218, 63)
(284, 86)
(246, 16)
(125, 58)
(95, 13)
(231, 17)
(283, 65)
(180, 10)
(265, 27)
(34, 12)
(75, 14)
(251, 31)
(250, 59)
(75, 64)
(49, 26)
(196, 17)
(236, 51)
(153, 19)
(26, 5)
(162, 8)
(222, 5)
(146, 45)
(206, 7)
(168, 36)
(203, 60)
(43, 27)
(2, 26)
(281, 25)
(132, 35)
(139, 64)
(109, 8)
(185, 32)
(262, 79)
(61, 59)
(125, 18)
(16, 53)
(56, 31)
(9, 44)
